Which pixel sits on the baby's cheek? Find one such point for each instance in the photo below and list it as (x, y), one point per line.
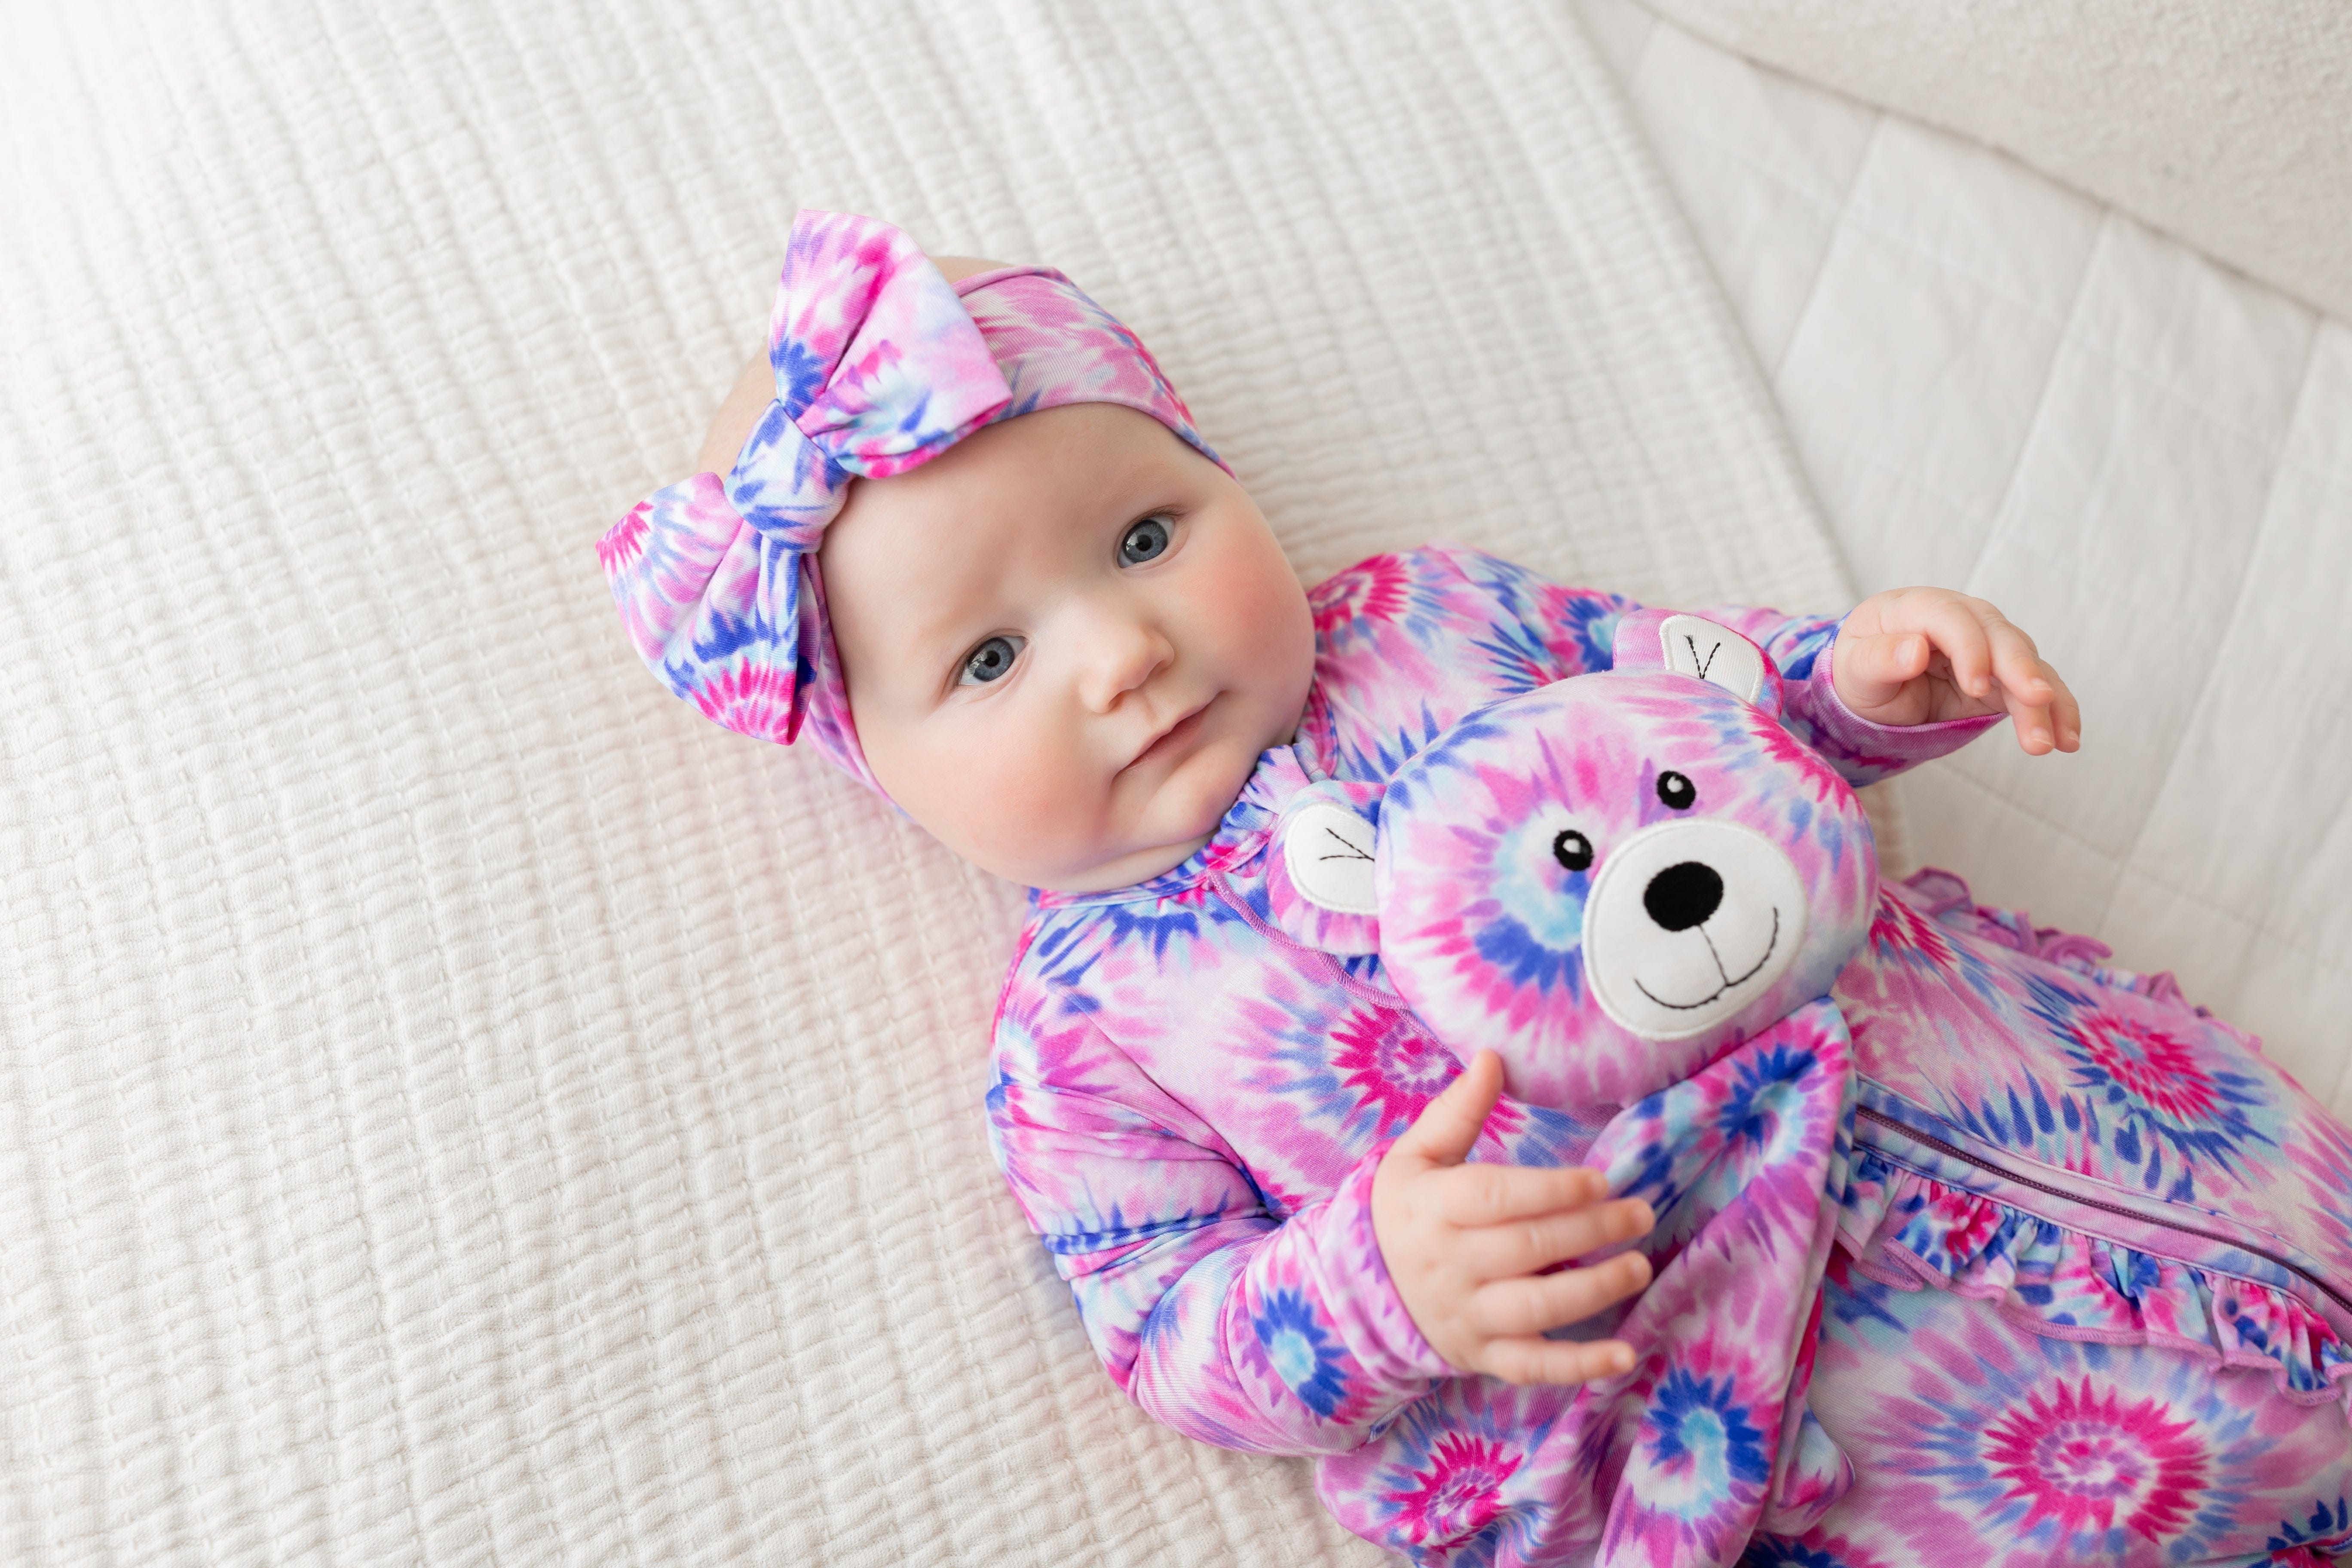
(1012, 802)
(1259, 616)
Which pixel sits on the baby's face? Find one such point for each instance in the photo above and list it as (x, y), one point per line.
(1067, 638)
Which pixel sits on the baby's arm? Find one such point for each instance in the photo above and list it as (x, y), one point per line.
(1290, 1335)
(1907, 676)
(1213, 1316)
(1530, 630)
(753, 390)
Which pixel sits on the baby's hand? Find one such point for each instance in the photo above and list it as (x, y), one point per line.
(1918, 656)
(1464, 1244)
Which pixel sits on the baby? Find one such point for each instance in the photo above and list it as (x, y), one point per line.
(967, 539)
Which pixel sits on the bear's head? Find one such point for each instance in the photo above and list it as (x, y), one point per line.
(1608, 881)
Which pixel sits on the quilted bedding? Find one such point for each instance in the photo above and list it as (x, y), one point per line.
(425, 1136)
(420, 1143)
(2144, 457)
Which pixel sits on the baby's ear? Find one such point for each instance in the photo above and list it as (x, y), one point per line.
(1700, 648)
(1319, 887)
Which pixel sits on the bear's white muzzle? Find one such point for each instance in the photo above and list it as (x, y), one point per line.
(1687, 922)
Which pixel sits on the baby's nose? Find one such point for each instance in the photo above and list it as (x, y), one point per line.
(1683, 895)
(1121, 654)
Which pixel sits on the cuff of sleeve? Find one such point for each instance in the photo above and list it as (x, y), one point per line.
(1867, 751)
(1361, 1297)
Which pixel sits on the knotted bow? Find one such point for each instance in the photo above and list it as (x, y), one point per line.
(880, 366)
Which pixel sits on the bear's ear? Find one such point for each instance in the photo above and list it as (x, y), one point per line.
(1700, 648)
(1320, 887)
(1327, 852)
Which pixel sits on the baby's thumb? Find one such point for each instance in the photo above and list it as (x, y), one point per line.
(1448, 1126)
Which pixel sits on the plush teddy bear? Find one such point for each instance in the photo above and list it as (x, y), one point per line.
(1605, 878)
(1663, 911)
(1637, 889)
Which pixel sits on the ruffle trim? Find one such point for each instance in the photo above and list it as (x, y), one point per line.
(1911, 1232)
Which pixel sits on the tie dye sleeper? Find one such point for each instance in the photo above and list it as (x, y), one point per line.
(1189, 1106)
(2044, 1265)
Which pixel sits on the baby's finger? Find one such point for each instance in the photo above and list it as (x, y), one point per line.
(1532, 1303)
(1878, 665)
(1526, 1245)
(1447, 1127)
(2016, 662)
(2069, 714)
(1954, 626)
(2048, 707)
(2031, 721)
(1563, 1362)
(2033, 728)
(1490, 1195)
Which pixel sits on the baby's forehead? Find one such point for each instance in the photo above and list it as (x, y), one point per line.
(925, 551)
(1021, 479)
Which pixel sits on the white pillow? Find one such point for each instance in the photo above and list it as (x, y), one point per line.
(2225, 124)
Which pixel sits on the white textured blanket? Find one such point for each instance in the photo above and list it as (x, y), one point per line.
(2221, 123)
(456, 1104)
(2144, 456)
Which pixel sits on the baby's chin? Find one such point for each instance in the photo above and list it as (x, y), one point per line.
(1194, 798)
(1183, 814)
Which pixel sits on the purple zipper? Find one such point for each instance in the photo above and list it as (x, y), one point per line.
(1953, 1151)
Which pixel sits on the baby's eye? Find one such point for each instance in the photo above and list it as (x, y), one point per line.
(1144, 540)
(990, 660)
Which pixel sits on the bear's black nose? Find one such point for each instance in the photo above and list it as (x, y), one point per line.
(1683, 894)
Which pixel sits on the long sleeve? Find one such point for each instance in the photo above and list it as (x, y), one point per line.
(1545, 632)
(1216, 1318)
(1862, 751)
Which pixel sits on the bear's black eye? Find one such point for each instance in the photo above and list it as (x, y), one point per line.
(1573, 849)
(1676, 791)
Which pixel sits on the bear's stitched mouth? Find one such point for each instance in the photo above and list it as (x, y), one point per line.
(1729, 982)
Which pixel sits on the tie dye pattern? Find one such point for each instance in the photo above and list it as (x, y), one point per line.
(1200, 1173)
(880, 365)
(1974, 1444)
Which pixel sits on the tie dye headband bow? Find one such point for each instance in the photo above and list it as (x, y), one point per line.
(880, 365)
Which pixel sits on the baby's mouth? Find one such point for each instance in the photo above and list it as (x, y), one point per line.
(1176, 736)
